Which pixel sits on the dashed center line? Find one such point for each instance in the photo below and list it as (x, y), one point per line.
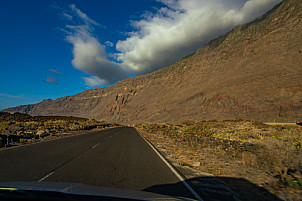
(46, 177)
(95, 145)
(67, 162)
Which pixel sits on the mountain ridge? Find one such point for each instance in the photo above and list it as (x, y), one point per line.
(252, 72)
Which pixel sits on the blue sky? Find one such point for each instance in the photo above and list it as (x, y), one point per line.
(50, 49)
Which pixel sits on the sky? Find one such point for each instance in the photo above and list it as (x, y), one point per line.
(51, 49)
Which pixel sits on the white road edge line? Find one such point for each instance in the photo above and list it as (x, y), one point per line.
(46, 177)
(173, 170)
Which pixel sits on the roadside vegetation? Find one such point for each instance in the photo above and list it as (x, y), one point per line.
(269, 156)
(21, 128)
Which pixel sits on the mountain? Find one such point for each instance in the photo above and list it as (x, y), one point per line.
(253, 72)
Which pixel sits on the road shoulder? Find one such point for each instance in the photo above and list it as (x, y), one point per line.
(206, 185)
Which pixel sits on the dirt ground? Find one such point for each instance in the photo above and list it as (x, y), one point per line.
(240, 154)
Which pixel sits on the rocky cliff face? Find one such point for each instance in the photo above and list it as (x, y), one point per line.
(253, 72)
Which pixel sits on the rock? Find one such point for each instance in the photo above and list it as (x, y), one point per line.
(40, 132)
(196, 164)
(249, 159)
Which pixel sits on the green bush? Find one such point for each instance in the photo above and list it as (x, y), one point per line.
(296, 184)
(185, 164)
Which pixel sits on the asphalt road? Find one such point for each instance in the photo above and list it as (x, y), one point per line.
(118, 158)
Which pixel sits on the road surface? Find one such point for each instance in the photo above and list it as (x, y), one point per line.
(118, 158)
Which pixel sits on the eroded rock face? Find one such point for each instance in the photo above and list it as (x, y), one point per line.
(253, 72)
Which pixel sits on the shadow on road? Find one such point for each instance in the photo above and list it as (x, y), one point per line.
(216, 188)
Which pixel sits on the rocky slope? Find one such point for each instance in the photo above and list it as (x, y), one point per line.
(253, 72)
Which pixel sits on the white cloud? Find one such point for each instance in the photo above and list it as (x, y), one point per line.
(109, 44)
(55, 71)
(255, 8)
(181, 28)
(90, 57)
(82, 15)
(11, 96)
(93, 81)
(177, 29)
(67, 16)
(51, 80)
(89, 54)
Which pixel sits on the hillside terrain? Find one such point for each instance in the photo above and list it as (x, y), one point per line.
(253, 72)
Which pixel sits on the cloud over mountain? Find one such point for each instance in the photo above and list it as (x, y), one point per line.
(182, 27)
(177, 29)
(89, 54)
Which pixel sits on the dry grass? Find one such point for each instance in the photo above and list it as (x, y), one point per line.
(30, 129)
(269, 156)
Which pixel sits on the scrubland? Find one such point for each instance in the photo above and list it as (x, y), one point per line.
(268, 156)
(22, 129)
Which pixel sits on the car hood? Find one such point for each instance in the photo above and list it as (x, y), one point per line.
(51, 189)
